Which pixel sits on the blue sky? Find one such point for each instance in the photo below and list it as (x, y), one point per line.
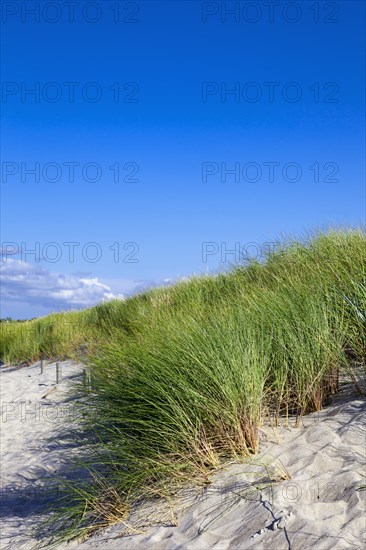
(173, 129)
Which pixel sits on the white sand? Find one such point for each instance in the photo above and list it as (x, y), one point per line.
(31, 448)
(319, 507)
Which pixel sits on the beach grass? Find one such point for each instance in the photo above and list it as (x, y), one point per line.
(183, 376)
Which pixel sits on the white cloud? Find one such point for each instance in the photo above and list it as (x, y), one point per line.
(29, 290)
(27, 283)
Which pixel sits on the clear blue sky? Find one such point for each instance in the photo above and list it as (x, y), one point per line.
(168, 123)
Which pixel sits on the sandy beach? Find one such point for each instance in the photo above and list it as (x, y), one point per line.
(246, 506)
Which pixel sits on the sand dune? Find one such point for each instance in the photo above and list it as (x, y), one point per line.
(31, 448)
(246, 506)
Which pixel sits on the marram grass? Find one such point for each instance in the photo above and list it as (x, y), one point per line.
(182, 377)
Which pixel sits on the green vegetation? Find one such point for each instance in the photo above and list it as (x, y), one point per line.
(58, 335)
(182, 377)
